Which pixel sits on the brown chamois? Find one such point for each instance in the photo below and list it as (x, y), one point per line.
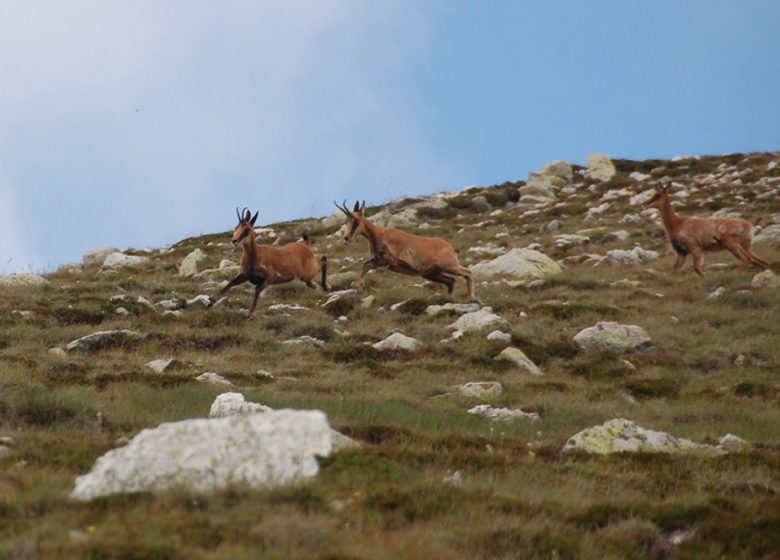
(689, 234)
(264, 266)
(430, 257)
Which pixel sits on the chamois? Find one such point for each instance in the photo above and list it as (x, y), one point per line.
(430, 257)
(689, 234)
(265, 266)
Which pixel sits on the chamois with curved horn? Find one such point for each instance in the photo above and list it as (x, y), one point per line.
(430, 257)
(264, 266)
(695, 236)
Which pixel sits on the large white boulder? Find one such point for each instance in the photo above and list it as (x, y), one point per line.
(189, 265)
(624, 436)
(519, 264)
(477, 321)
(559, 168)
(611, 336)
(120, 260)
(23, 280)
(98, 255)
(600, 167)
(397, 341)
(203, 455)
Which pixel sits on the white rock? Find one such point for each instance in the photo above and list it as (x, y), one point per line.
(518, 264)
(499, 335)
(337, 296)
(159, 365)
(397, 341)
(641, 198)
(481, 389)
(716, 294)
(600, 167)
(567, 240)
(304, 340)
(613, 337)
(637, 176)
(477, 320)
(632, 219)
(287, 307)
(120, 260)
(203, 300)
(146, 303)
(23, 280)
(558, 168)
(518, 358)
(204, 455)
(170, 304)
(98, 256)
(230, 404)
(213, 378)
(121, 311)
(766, 279)
(456, 308)
(227, 263)
(538, 188)
(624, 436)
(635, 256)
(189, 266)
(455, 479)
(489, 250)
(730, 443)
(618, 235)
(100, 339)
(553, 226)
(502, 414)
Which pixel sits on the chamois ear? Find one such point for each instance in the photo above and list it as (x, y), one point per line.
(247, 214)
(254, 218)
(357, 206)
(363, 207)
(660, 187)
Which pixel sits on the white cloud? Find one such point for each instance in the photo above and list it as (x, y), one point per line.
(137, 123)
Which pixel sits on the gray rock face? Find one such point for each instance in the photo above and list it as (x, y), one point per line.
(98, 255)
(456, 308)
(613, 337)
(770, 234)
(481, 389)
(518, 264)
(120, 260)
(502, 414)
(23, 280)
(538, 188)
(600, 167)
(518, 358)
(766, 279)
(397, 341)
(102, 339)
(477, 321)
(189, 266)
(635, 256)
(624, 436)
(559, 168)
(204, 455)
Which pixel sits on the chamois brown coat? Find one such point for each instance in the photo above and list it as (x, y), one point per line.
(695, 236)
(264, 266)
(430, 257)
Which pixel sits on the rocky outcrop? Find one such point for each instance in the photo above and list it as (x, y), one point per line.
(477, 321)
(120, 260)
(770, 234)
(613, 337)
(98, 256)
(189, 266)
(103, 339)
(766, 279)
(518, 264)
(600, 167)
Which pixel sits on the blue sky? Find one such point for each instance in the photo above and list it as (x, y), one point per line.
(140, 123)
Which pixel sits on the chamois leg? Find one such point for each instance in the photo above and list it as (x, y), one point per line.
(324, 271)
(465, 273)
(698, 260)
(369, 265)
(441, 278)
(755, 259)
(240, 279)
(679, 263)
(258, 288)
(736, 249)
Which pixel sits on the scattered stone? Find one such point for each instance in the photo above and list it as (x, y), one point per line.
(600, 167)
(456, 308)
(567, 240)
(102, 339)
(287, 307)
(488, 250)
(770, 234)
(481, 389)
(23, 280)
(537, 189)
(335, 302)
(766, 279)
(203, 455)
(57, 352)
(499, 335)
(553, 226)
(477, 320)
(716, 294)
(121, 311)
(517, 357)
(227, 263)
(7, 441)
(98, 256)
(170, 304)
(632, 220)
(26, 315)
(367, 302)
(619, 235)
(213, 378)
(146, 303)
(397, 341)
(558, 168)
(613, 337)
(637, 176)
(159, 365)
(454, 479)
(230, 404)
(731, 443)
(203, 300)
(305, 340)
(189, 266)
(635, 256)
(502, 414)
(120, 260)
(626, 283)
(624, 436)
(5, 451)
(518, 264)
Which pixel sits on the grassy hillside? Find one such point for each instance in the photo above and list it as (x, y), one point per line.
(713, 369)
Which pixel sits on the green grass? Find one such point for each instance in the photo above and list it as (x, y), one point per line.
(520, 497)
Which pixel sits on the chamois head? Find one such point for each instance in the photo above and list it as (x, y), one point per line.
(659, 197)
(245, 225)
(355, 219)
